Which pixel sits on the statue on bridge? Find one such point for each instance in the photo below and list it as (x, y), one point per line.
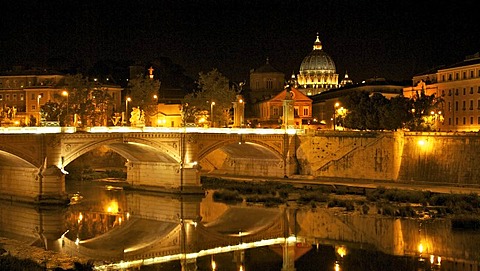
(137, 117)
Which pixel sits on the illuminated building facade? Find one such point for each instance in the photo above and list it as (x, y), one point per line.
(23, 92)
(458, 86)
(271, 110)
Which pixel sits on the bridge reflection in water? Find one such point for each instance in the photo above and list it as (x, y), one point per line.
(123, 230)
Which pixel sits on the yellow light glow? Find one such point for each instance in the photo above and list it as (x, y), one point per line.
(240, 268)
(214, 265)
(80, 217)
(439, 260)
(420, 248)
(432, 259)
(421, 142)
(342, 251)
(77, 241)
(337, 267)
(112, 207)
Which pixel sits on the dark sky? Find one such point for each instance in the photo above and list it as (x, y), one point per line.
(391, 39)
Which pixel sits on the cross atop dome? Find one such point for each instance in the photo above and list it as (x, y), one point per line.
(318, 44)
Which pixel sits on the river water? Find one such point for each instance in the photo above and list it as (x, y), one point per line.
(122, 229)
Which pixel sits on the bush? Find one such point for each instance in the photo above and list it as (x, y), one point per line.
(227, 196)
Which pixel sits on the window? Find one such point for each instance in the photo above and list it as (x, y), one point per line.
(443, 77)
(449, 121)
(471, 90)
(449, 92)
(456, 121)
(478, 120)
(456, 91)
(456, 76)
(14, 97)
(275, 111)
(34, 107)
(471, 104)
(464, 75)
(305, 111)
(443, 92)
(471, 74)
(296, 111)
(7, 97)
(21, 97)
(464, 91)
(32, 97)
(464, 120)
(269, 83)
(464, 107)
(471, 120)
(450, 105)
(456, 106)
(1, 97)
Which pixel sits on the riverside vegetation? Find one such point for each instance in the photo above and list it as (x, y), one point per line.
(462, 209)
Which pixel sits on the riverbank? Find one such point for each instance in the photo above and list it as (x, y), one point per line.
(305, 181)
(20, 256)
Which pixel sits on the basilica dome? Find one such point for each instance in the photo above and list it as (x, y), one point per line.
(317, 61)
(317, 71)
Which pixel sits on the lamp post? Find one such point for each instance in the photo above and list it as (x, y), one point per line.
(155, 97)
(335, 115)
(211, 112)
(38, 108)
(65, 93)
(128, 99)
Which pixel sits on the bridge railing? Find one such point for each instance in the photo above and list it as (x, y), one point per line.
(128, 129)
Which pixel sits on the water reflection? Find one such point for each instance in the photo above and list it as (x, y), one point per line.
(132, 230)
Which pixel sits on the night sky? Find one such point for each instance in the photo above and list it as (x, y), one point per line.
(390, 39)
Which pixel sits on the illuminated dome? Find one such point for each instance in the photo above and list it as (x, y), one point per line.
(317, 61)
(317, 71)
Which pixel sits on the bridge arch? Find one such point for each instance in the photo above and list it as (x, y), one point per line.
(243, 148)
(12, 159)
(133, 149)
(247, 157)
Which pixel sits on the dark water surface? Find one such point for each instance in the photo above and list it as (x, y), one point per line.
(131, 230)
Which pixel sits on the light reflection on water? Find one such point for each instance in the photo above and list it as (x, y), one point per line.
(127, 229)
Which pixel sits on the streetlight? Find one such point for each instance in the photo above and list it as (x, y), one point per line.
(211, 112)
(155, 97)
(38, 107)
(128, 99)
(334, 116)
(65, 93)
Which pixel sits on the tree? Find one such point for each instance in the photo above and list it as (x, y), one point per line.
(143, 91)
(212, 87)
(86, 99)
(422, 106)
(50, 111)
(357, 104)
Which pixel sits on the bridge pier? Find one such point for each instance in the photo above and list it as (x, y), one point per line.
(51, 186)
(165, 177)
(189, 264)
(44, 185)
(288, 256)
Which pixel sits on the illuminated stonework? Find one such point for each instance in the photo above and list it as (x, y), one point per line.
(317, 71)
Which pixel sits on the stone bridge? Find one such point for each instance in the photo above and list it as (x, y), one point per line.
(32, 164)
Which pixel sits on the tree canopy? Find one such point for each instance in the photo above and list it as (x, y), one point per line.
(212, 87)
(367, 111)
